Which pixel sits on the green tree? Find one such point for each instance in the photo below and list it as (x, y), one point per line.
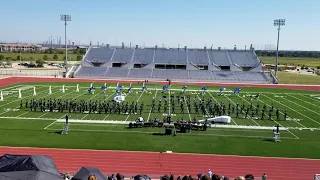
(8, 58)
(18, 57)
(318, 72)
(45, 57)
(1, 57)
(31, 58)
(9, 63)
(79, 57)
(82, 51)
(40, 63)
(55, 57)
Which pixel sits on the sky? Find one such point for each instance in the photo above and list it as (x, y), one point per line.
(192, 23)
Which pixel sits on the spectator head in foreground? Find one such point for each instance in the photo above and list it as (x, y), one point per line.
(205, 177)
(186, 177)
(216, 177)
(165, 177)
(240, 178)
(249, 177)
(92, 177)
(120, 176)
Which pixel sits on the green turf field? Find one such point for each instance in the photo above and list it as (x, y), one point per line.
(22, 127)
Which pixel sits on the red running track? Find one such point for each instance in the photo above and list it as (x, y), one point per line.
(179, 164)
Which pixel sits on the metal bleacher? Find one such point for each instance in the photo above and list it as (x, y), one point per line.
(198, 57)
(177, 64)
(219, 58)
(168, 56)
(243, 59)
(101, 54)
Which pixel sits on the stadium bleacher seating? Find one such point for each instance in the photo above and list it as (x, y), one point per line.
(184, 64)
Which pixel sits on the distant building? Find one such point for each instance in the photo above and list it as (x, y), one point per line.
(19, 47)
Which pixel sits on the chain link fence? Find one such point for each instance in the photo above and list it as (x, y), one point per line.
(46, 73)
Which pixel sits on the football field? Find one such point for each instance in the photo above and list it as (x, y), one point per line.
(302, 109)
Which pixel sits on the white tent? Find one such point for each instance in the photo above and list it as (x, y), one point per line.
(219, 119)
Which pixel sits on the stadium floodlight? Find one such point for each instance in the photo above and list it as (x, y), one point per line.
(65, 18)
(278, 23)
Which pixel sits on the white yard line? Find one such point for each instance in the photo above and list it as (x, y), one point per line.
(219, 105)
(54, 122)
(281, 124)
(136, 101)
(293, 110)
(60, 97)
(169, 94)
(50, 125)
(311, 98)
(150, 107)
(9, 88)
(23, 113)
(200, 100)
(108, 113)
(185, 101)
(88, 100)
(43, 97)
(23, 98)
(249, 104)
(283, 114)
(305, 102)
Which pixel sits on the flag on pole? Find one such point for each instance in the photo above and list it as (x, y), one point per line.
(104, 87)
(184, 88)
(130, 88)
(221, 91)
(165, 87)
(237, 91)
(204, 88)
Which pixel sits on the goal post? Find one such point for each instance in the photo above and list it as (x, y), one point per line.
(317, 177)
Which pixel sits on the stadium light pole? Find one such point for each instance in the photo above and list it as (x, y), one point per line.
(65, 18)
(278, 23)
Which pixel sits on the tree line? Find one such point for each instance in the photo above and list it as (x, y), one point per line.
(293, 54)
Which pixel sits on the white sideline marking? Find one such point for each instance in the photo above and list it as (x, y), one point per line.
(293, 110)
(150, 108)
(144, 132)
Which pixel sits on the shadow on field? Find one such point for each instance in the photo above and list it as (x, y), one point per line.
(54, 132)
(268, 139)
(158, 134)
